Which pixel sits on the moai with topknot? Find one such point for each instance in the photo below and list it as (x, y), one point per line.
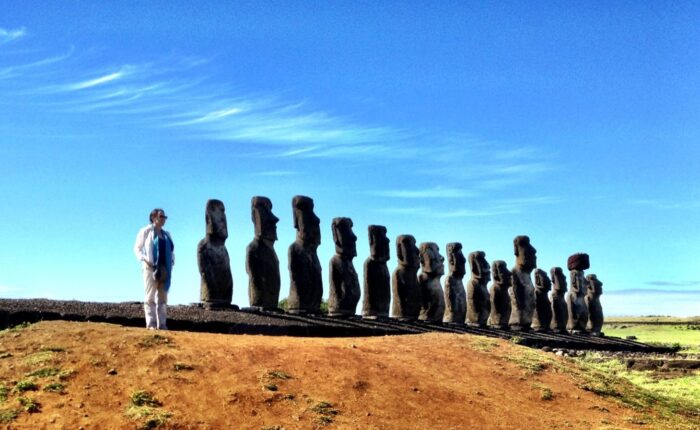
(216, 286)
(478, 298)
(560, 313)
(261, 261)
(576, 298)
(344, 286)
(404, 281)
(306, 285)
(542, 319)
(377, 281)
(455, 295)
(522, 291)
(500, 297)
(595, 309)
(432, 268)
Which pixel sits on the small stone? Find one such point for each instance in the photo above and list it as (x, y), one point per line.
(112, 371)
(547, 349)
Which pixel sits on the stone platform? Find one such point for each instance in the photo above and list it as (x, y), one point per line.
(196, 318)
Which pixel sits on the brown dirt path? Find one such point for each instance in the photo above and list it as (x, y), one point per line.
(429, 381)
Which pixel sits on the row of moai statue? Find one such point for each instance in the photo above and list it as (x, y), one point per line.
(512, 302)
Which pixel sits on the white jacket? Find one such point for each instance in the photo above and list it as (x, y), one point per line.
(145, 253)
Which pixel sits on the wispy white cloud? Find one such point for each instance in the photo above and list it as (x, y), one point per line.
(10, 35)
(278, 173)
(674, 283)
(653, 291)
(481, 209)
(95, 82)
(657, 204)
(429, 193)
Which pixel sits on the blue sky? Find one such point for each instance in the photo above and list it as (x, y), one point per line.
(574, 123)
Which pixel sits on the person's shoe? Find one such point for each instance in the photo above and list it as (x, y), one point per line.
(151, 328)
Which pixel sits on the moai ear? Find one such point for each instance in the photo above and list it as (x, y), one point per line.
(334, 229)
(399, 249)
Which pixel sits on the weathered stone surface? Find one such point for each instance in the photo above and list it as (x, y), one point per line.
(262, 264)
(560, 313)
(344, 288)
(216, 287)
(404, 281)
(306, 285)
(455, 294)
(542, 319)
(522, 290)
(576, 302)
(579, 261)
(432, 297)
(377, 281)
(595, 309)
(500, 297)
(478, 298)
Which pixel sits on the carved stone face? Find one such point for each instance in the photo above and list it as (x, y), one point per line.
(431, 260)
(264, 220)
(542, 281)
(500, 270)
(305, 221)
(558, 279)
(378, 243)
(345, 240)
(526, 254)
(406, 251)
(456, 260)
(479, 266)
(216, 220)
(595, 287)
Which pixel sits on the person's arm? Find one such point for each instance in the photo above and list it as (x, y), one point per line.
(139, 244)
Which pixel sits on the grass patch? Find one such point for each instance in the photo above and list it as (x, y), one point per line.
(531, 361)
(144, 398)
(8, 415)
(278, 374)
(150, 417)
(685, 335)
(38, 358)
(64, 375)
(4, 391)
(483, 344)
(154, 340)
(325, 412)
(29, 405)
(270, 387)
(44, 372)
(52, 349)
(25, 385)
(178, 367)
(546, 394)
(55, 387)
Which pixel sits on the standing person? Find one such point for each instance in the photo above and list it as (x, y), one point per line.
(154, 247)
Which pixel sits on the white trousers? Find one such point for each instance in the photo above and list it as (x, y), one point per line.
(156, 301)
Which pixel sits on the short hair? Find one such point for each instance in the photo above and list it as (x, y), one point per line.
(155, 212)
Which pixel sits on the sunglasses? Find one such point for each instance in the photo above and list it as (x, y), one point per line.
(162, 216)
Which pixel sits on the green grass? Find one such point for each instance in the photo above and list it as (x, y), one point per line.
(178, 367)
(666, 334)
(45, 372)
(55, 387)
(144, 398)
(40, 357)
(25, 385)
(8, 415)
(144, 407)
(4, 391)
(155, 340)
(650, 319)
(29, 405)
(530, 360)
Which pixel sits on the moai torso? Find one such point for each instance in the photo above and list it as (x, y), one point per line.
(560, 313)
(522, 291)
(344, 286)
(377, 281)
(500, 297)
(542, 319)
(432, 297)
(595, 310)
(576, 298)
(216, 287)
(306, 285)
(478, 298)
(404, 281)
(455, 295)
(262, 263)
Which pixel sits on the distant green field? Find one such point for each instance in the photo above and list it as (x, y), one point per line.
(652, 319)
(669, 332)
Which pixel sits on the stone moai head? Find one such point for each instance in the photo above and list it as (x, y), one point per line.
(526, 254)
(479, 266)
(343, 237)
(558, 280)
(578, 261)
(264, 220)
(378, 243)
(431, 261)
(501, 274)
(595, 287)
(542, 281)
(306, 222)
(406, 251)
(456, 260)
(215, 216)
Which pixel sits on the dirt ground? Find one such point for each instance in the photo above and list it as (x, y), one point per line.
(215, 381)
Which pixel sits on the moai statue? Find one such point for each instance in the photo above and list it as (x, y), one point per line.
(455, 295)
(432, 297)
(522, 294)
(542, 319)
(261, 261)
(595, 310)
(216, 287)
(560, 314)
(344, 289)
(306, 286)
(377, 285)
(404, 280)
(576, 298)
(478, 298)
(500, 297)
